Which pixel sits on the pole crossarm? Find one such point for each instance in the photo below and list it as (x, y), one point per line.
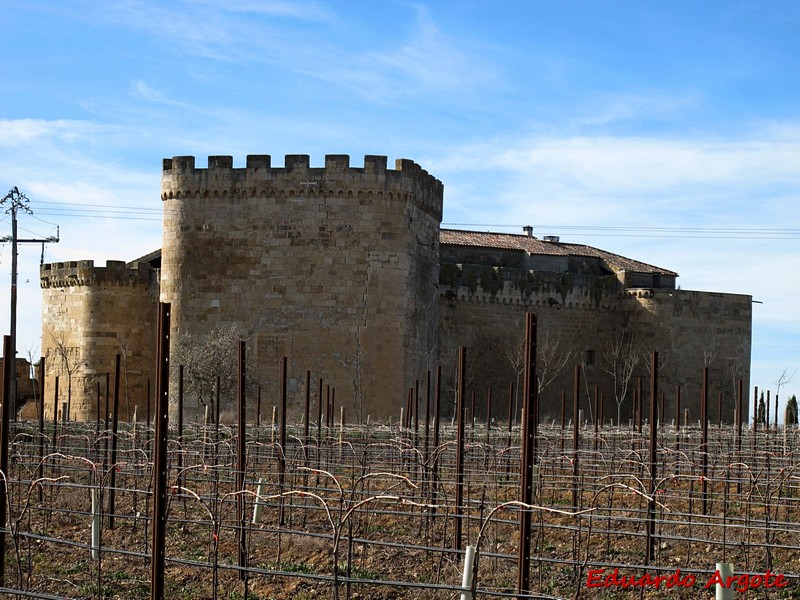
(15, 201)
(48, 240)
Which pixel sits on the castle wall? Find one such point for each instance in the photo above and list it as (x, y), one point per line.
(91, 314)
(334, 268)
(691, 330)
(483, 308)
(26, 385)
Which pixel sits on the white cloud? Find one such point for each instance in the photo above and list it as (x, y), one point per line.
(145, 91)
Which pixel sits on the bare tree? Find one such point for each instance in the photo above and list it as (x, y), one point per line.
(31, 350)
(125, 350)
(735, 371)
(71, 361)
(515, 354)
(782, 380)
(206, 358)
(621, 355)
(553, 353)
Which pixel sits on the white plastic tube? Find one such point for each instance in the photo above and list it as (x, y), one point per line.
(725, 570)
(466, 578)
(95, 523)
(257, 505)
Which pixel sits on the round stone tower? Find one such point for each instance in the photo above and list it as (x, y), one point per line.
(90, 315)
(334, 268)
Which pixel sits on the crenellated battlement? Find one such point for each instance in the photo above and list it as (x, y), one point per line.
(84, 273)
(523, 287)
(408, 181)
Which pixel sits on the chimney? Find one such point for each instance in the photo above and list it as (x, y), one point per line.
(528, 230)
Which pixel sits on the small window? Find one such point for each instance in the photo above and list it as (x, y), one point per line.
(589, 358)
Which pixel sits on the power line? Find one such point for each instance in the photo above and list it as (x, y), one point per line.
(656, 232)
(112, 206)
(100, 216)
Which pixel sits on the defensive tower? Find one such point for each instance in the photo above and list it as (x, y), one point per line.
(335, 268)
(90, 315)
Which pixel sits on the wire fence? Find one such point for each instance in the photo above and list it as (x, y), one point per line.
(355, 511)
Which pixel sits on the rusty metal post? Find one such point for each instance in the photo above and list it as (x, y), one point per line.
(332, 408)
(319, 416)
(40, 468)
(319, 423)
(407, 417)
(55, 414)
(241, 462)
(639, 393)
(740, 419)
(596, 410)
(459, 495)
(147, 409)
(307, 413)
(328, 408)
(528, 458)
(161, 417)
(488, 409)
(437, 405)
(258, 407)
(112, 485)
(180, 410)
(8, 372)
(739, 415)
(282, 437)
(755, 409)
(704, 438)
(109, 406)
(416, 412)
(564, 416)
(576, 395)
(649, 554)
(427, 416)
(766, 414)
(97, 415)
(180, 425)
(488, 413)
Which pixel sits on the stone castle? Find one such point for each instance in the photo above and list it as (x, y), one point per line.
(346, 272)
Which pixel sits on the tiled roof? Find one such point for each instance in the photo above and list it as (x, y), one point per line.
(532, 245)
(147, 258)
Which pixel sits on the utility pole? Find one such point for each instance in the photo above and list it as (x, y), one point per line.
(17, 201)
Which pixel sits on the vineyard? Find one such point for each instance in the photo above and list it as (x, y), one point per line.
(388, 511)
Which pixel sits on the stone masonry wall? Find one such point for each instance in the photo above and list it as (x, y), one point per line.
(334, 268)
(483, 308)
(691, 330)
(91, 314)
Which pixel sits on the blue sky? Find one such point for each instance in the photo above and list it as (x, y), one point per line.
(668, 132)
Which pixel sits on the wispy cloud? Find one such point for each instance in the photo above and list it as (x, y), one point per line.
(431, 58)
(634, 177)
(639, 182)
(310, 40)
(142, 90)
